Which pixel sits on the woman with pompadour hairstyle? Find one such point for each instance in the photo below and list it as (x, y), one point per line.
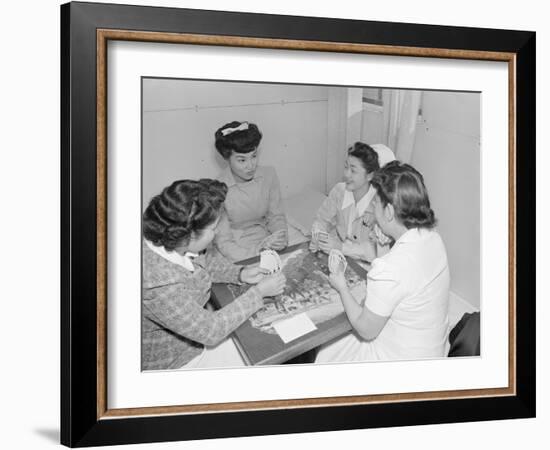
(254, 218)
(178, 271)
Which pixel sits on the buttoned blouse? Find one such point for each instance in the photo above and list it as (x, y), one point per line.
(340, 216)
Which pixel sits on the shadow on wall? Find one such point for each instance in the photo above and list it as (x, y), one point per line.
(49, 434)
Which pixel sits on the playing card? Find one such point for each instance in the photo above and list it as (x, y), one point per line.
(380, 236)
(270, 260)
(337, 261)
(322, 236)
(313, 245)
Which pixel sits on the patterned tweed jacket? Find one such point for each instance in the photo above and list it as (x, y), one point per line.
(175, 324)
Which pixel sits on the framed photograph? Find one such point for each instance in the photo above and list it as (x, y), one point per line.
(278, 224)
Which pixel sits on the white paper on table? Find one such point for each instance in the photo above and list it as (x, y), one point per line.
(293, 328)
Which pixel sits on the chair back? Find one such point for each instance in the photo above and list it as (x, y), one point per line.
(464, 337)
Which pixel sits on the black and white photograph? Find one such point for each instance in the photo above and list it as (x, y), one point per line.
(308, 224)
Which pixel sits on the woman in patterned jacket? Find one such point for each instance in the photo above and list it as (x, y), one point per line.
(178, 226)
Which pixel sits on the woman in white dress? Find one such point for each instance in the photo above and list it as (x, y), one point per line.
(405, 312)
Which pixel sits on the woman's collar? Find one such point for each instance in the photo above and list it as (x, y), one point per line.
(362, 205)
(185, 261)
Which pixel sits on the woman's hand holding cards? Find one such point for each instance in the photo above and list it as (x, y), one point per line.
(314, 242)
(329, 242)
(270, 261)
(272, 285)
(337, 266)
(253, 274)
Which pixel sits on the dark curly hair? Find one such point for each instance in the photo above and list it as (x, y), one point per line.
(402, 186)
(241, 141)
(366, 154)
(183, 208)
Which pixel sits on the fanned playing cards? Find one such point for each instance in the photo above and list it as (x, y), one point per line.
(270, 261)
(337, 261)
(316, 236)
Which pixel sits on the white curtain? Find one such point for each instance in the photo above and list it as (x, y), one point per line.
(400, 119)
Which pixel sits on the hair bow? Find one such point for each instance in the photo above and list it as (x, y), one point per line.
(242, 127)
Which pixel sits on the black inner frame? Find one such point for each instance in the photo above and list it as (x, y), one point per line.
(79, 424)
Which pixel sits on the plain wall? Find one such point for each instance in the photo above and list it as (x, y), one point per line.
(447, 153)
(180, 118)
(372, 130)
(345, 111)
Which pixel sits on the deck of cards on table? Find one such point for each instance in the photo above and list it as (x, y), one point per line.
(270, 261)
